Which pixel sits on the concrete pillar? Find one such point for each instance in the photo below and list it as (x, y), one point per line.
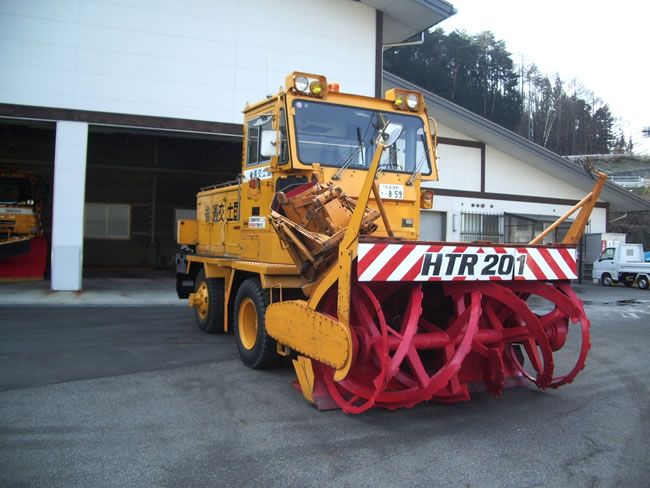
(68, 205)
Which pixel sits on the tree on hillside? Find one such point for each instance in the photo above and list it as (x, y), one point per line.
(477, 73)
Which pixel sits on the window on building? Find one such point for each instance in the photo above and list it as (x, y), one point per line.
(107, 221)
(524, 228)
(481, 227)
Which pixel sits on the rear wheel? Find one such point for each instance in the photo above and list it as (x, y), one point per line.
(606, 279)
(257, 349)
(208, 293)
(643, 282)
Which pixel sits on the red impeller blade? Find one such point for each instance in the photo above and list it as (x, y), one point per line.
(406, 361)
(567, 309)
(508, 314)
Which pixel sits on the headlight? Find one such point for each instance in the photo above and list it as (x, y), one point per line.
(405, 100)
(412, 100)
(307, 84)
(315, 87)
(301, 83)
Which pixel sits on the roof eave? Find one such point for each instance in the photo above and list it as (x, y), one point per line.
(402, 20)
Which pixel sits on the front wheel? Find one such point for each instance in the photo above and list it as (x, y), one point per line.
(257, 349)
(643, 282)
(606, 279)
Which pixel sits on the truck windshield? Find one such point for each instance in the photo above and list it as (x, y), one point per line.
(337, 135)
(608, 254)
(16, 190)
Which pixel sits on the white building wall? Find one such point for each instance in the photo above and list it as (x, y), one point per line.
(444, 131)
(505, 174)
(197, 59)
(459, 168)
(453, 207)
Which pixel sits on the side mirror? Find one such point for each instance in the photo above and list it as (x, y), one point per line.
(269, 143)
(390, 134)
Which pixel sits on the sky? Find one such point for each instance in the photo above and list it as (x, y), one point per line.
(602, 44)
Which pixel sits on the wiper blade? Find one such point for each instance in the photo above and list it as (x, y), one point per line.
(360, 142)
(348, 161)
(392, 163)
(381, 123)
(419, 165)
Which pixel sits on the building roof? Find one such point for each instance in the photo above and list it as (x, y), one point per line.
(457, 118)
(406, 18)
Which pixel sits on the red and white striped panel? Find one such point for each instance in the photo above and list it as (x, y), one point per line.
(423, 262)
(543, 263)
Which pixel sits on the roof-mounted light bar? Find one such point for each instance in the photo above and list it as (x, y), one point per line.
(307, 84)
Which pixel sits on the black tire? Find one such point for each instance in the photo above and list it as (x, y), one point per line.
(209, 313)
(643, 282)
(257, 349)
(606, 279)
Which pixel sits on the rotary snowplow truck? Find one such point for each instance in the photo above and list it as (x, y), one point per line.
(313, 253)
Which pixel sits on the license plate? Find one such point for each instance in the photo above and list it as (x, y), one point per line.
(392, 192)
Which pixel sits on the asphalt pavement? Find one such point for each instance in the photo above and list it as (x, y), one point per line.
(115, 386)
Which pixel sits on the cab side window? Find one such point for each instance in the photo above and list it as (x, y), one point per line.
(284, 146)
(254, 128)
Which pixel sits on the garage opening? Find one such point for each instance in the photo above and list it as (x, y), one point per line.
(433, 226)
(138, 184)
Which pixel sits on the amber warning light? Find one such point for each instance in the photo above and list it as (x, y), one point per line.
(426, 199)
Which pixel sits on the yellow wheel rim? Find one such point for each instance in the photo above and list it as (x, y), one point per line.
(203, 301)
(248, 323)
